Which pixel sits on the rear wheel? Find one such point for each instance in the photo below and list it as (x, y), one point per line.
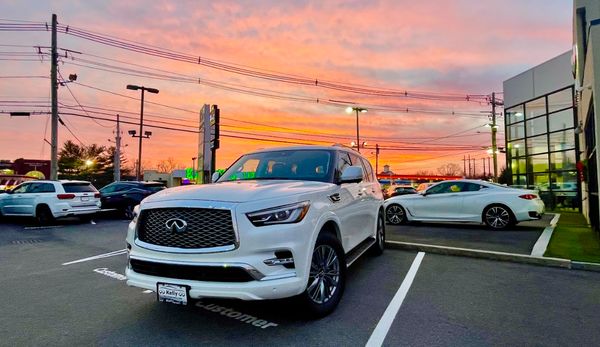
(395, 214)
(128, 212)
(43, 215)
(498, 217)
(327, 277)
(379, 246)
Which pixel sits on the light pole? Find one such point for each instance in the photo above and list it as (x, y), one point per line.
(147, 134)
(357, 110)
(194, 168)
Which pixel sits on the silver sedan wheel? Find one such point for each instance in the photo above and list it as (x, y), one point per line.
(324, 274)
(497, 217)
(395, 214)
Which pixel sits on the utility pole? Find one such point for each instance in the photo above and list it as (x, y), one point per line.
(474, 170)
(465, 166)
(376, 160)
(469, 159)
(54, 94)
(484, 172)
(117, 160)
(494, 131)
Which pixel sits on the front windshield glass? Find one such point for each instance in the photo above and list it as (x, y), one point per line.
(308, 165)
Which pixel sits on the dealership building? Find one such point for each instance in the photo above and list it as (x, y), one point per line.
(550, 121)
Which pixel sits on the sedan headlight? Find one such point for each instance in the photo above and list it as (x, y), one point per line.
(285, 214)
(136, 213)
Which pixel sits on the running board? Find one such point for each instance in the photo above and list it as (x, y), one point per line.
(359, 250)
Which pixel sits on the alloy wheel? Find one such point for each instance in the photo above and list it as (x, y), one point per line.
(497, 217)
(395, 214)
(324, 274)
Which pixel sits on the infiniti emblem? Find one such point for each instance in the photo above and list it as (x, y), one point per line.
(176, 225)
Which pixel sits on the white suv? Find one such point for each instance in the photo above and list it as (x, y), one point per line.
(46, 200)
(279, 223)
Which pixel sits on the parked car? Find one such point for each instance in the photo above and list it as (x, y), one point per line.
(401, 190)
(466, 201)
(47, 200)
(279, 223)
(125, 195)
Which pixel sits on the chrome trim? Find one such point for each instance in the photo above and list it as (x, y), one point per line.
(183, 250)
(278, 261)
(279, 277)
(257, 275)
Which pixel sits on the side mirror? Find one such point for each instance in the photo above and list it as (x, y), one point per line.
(215, 176)
(423, 192)
(352, 174)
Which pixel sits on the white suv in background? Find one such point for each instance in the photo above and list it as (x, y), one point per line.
(279, 223)
(47, 200)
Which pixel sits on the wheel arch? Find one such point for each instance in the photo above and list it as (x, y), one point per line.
(40, 206)
(510, 211)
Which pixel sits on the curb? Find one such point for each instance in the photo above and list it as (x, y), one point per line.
(580, 265)
(492, 255)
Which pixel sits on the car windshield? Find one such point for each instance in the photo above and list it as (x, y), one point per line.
(309, 165)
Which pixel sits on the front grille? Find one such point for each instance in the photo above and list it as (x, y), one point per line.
(191, 272)
(206, 228)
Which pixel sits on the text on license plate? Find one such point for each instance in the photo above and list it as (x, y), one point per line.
(172, 293)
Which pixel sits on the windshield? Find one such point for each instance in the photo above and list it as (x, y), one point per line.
(308, 165)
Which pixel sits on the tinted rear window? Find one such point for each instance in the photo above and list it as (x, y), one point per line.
(79, 187)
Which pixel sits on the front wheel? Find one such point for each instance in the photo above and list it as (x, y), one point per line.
(128, 212)
(497, 217)
(395, 214)
(43, 215)
(327, 277)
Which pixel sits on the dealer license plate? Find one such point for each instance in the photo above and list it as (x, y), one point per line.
(172, 293)
(85, 198)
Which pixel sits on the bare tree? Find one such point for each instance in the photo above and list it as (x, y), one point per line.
(449, 169)
(167, 166)
(424, 173)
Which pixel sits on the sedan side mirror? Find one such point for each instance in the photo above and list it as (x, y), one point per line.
(215, 176)
(352, 174)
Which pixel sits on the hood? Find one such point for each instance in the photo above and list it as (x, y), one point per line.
(239, 191)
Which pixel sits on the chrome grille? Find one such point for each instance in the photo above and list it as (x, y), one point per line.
(206, 228)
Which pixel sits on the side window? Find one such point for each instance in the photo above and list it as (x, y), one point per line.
(342, 163)
(441, 188)
(369, 170)
(41, 188)
(23, 188)
(471, 187)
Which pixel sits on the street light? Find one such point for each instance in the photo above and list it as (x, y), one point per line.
(147, 134)
(357, 110)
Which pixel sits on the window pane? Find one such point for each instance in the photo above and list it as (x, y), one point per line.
(538, 163)
(520, 180)
(562, 160)
(538, 144)
(536, 126)
(561, 120)
(560, 100)
(540, 180)
(518, 166)
(562, 140)
(516, 131)
(564, 180)
(514, 114)
(535, 108)
(517, 148)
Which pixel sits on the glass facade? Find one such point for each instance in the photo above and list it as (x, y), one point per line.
(542, 148)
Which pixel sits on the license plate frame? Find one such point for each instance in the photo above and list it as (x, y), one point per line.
(172, 293)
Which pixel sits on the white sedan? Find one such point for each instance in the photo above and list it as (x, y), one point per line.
(466, 201)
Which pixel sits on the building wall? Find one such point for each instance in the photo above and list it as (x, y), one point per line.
(540, 132)
(586, 38)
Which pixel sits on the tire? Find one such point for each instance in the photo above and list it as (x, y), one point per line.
(86, 218)
(379, 246)
(43, 215)
(128, 212)
(395, 214)
(327, 277)
(498, 217)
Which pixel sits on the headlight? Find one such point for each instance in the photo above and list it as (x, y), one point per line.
(136, 213)
(292, 213)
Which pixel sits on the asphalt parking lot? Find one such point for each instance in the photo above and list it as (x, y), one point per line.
(518, 239)
(452, 300)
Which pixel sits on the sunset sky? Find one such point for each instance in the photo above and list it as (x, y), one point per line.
(435, 49)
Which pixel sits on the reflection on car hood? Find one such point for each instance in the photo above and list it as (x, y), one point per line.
(239, 191)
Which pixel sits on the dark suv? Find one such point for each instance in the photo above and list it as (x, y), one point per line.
(125, 195)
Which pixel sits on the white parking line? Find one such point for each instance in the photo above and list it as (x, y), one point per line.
(382, 328)
(99, 256)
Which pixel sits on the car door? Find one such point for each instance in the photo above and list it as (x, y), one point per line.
(440, 202)
(365, 218)
(372, 190)
(346, 205)
(20, 201)
(474, 198)
(113, 196)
